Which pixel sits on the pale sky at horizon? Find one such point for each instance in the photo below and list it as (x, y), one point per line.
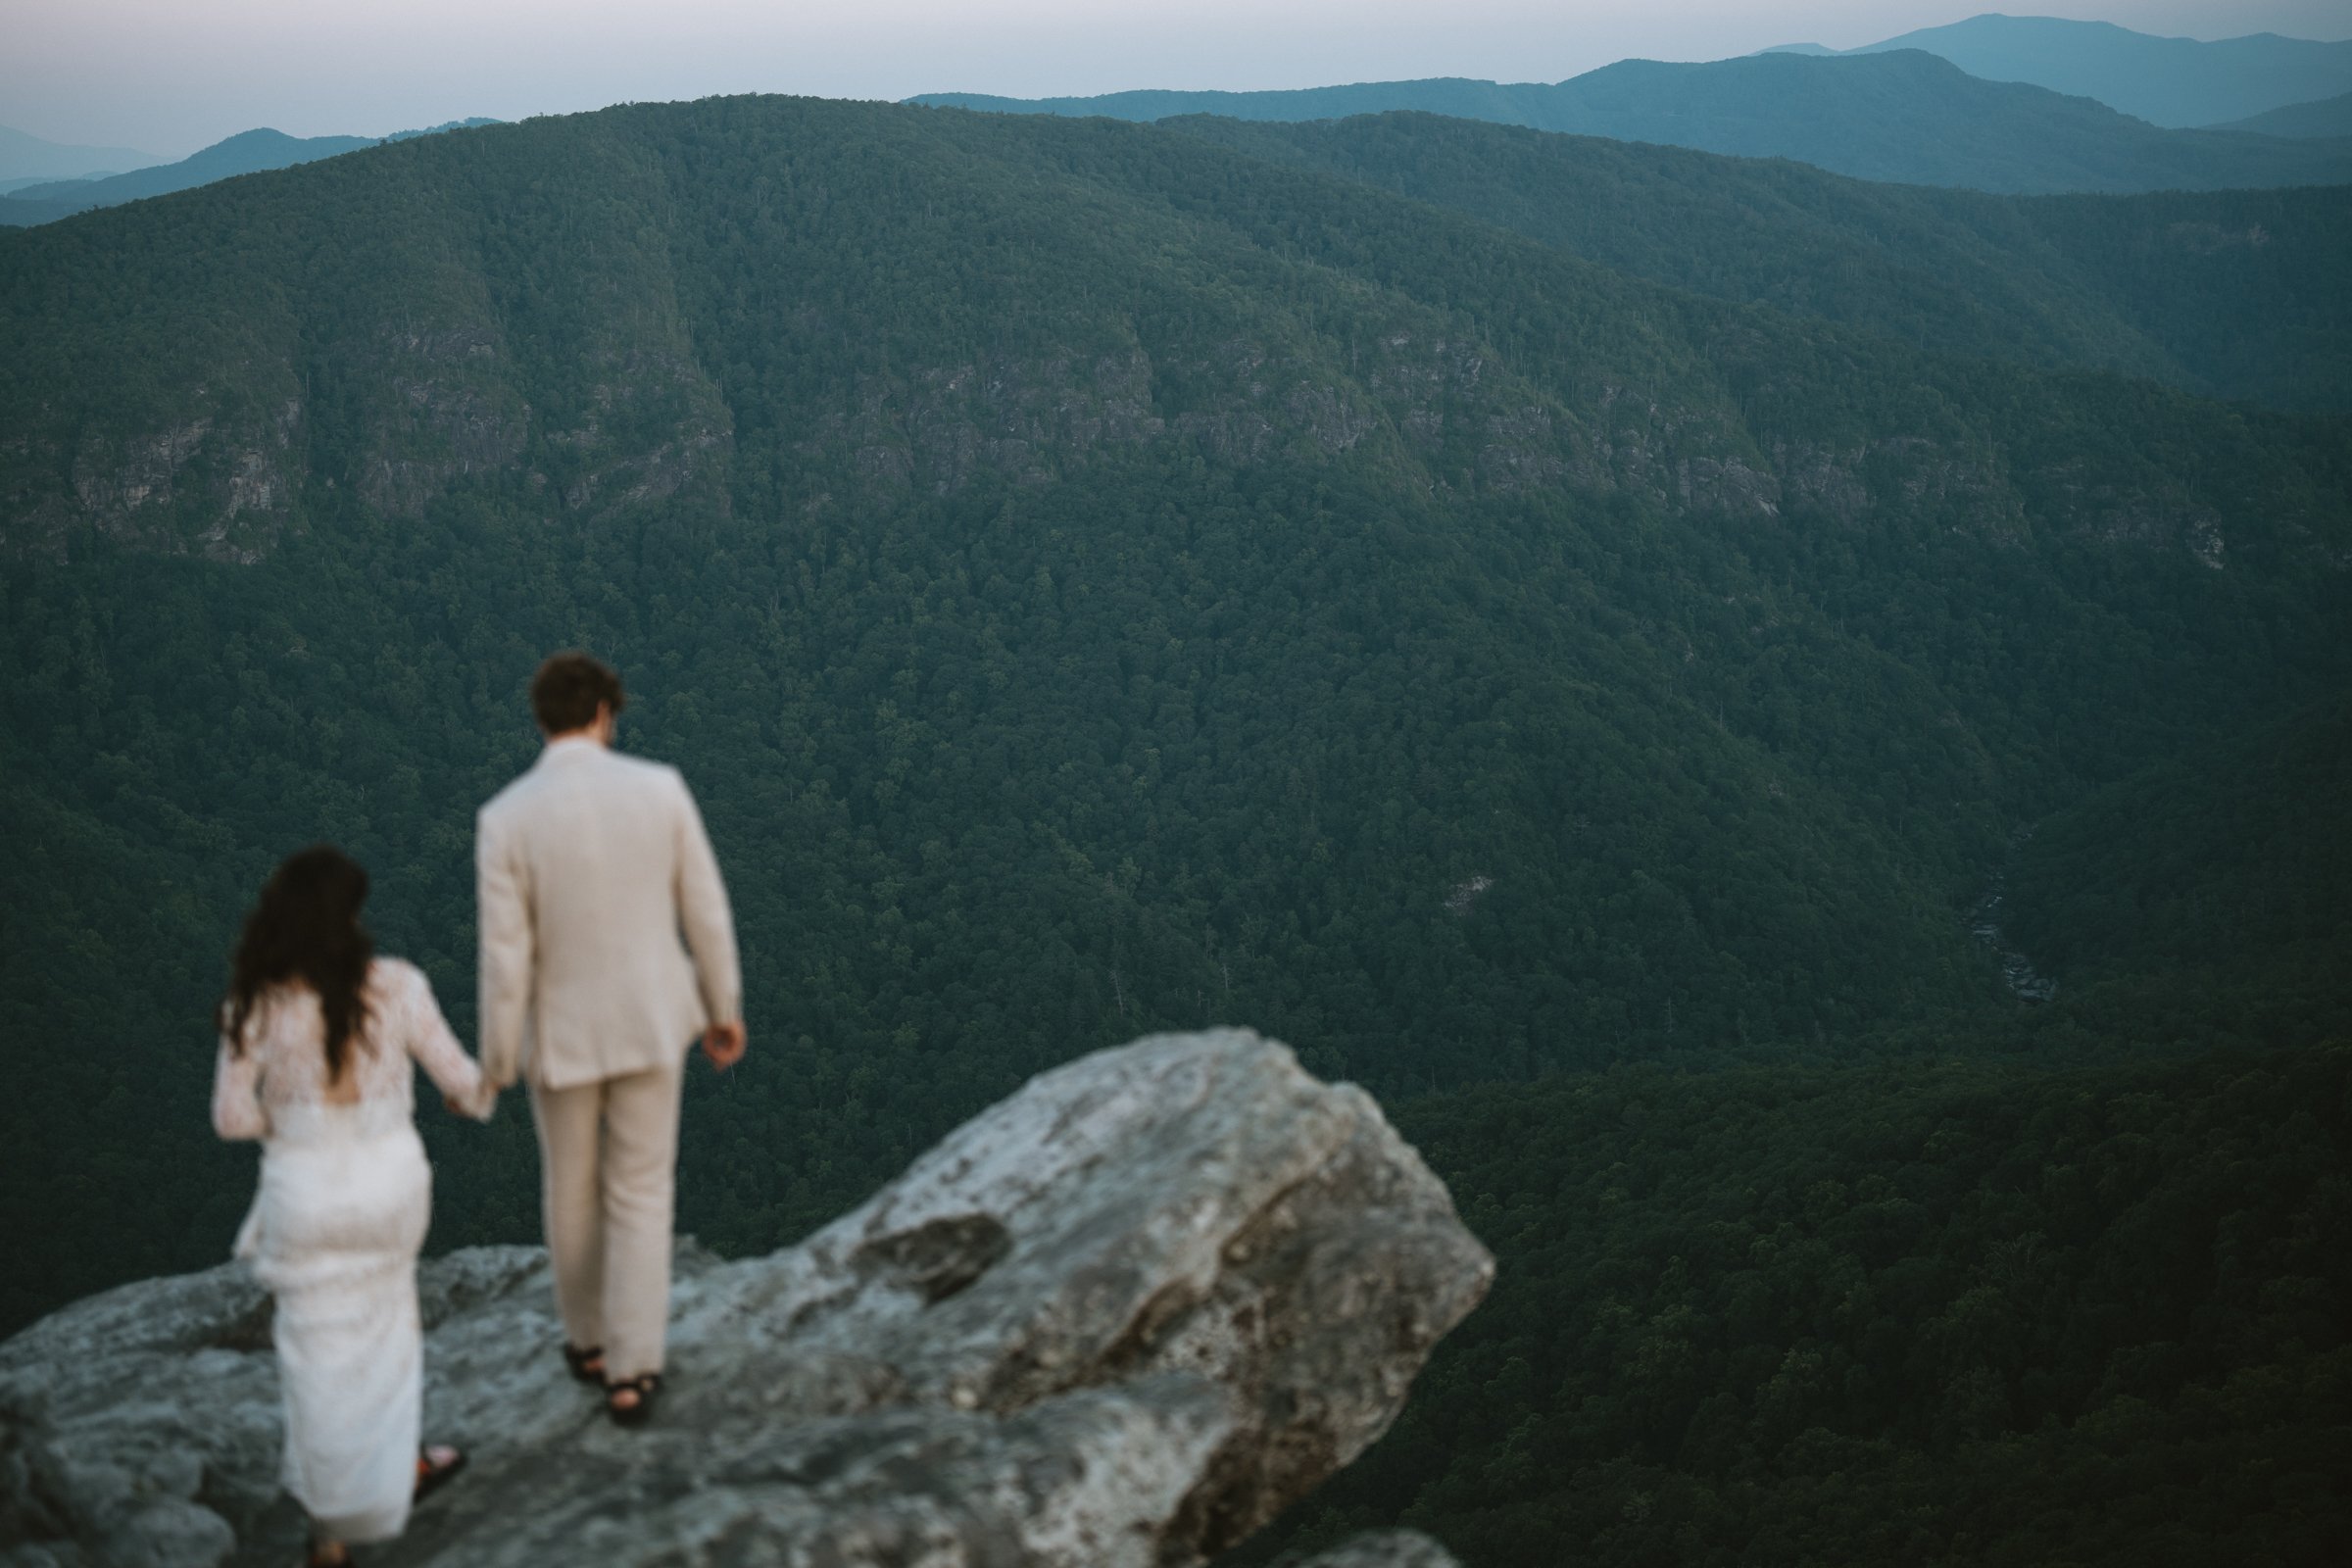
(167, 79)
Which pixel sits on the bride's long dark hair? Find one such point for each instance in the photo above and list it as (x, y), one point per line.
(305, 928)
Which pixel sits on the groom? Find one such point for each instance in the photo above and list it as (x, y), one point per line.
(590, 866)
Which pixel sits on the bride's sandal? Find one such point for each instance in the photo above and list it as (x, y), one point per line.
(640, 1390)
(586, 1365)
(327, 1555)
(436, 1465)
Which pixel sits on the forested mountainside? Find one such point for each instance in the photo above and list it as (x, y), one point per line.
(1943, 1313)
(1095, 580)
(2236, 294)
(2069, 1285)
(2321, 116)
(2230, 861)
(1908, 116)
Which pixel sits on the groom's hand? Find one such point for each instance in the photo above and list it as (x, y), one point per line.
(480, 1110)
(723, 1044)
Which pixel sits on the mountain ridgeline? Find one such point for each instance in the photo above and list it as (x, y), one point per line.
(246, 153)
(2236, 294)
(28, 160)
(2322, 117)
(2165, 81)
(1104, 577)
(1907, 117)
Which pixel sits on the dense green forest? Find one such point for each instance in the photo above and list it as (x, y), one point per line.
(1097, 581)
(1905, 116)
(2225, 869)
(2067, 1285)
(1910, 1309)
(2236, 294)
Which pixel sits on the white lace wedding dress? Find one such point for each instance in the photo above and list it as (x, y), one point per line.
(341, 1212)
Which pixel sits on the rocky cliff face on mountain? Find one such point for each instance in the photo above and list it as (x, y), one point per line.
(1124, 1317)
(690, 316)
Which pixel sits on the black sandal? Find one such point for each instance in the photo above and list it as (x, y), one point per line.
(431, 1477)
(644, 1385)
(586, 1365)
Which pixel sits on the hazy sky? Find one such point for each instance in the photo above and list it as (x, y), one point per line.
(170, 76)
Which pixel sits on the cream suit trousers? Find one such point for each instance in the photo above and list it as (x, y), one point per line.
(608, 1161)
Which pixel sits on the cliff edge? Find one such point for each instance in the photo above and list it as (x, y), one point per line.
(1119, 1320)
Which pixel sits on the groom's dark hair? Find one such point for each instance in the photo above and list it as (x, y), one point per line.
(570, 688)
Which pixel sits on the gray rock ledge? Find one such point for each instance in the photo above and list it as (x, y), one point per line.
(1119, 1320)
(1381, 1549)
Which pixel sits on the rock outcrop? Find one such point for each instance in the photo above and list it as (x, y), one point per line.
(1385, 1548)
(1122, 1318)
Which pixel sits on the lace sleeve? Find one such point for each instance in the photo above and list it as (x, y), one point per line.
(237, 1111)
(429, 1038)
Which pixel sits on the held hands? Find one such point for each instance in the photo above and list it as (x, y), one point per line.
(724, 1044)
(480, 1106)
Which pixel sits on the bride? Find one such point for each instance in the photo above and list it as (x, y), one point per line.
(316, 1035)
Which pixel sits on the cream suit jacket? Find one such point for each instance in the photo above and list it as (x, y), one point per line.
(589, 866)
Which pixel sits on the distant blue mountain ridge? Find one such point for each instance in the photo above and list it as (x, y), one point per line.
(1904, 116)
(2174, 83)
(27, 159)
(2329, 116)
(246, 153)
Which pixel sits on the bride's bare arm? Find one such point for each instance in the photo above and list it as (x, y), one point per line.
(443, 1060)
(237, 1111)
